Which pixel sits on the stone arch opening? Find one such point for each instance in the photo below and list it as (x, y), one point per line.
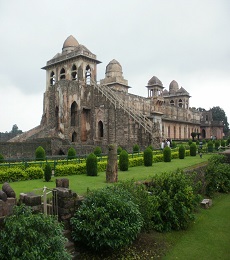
(88, 74)
(100, 129)
(172, 102)
(74, 72)
(62, 73)
(52, 78)
(203, 133)
(74, 137)
(180, 103)
(73, 114)
(61, 152)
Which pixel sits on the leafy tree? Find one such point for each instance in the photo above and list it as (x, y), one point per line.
(218, 114)
(15, 130)
(32, 236)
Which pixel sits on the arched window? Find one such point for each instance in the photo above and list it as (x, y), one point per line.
(62, 73)
(100, 129)
(52, 78)
(74, 137)
(206, 117)
(74, 72)
(172, 102)
(88, 74)
(73, 115)
(180, 103)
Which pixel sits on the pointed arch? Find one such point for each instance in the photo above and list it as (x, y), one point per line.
(87, 74)
(73, 114)
(62, 73)
(180, 103)
(74, 72)
(172, 102)
(74, 137)
(52, 78)
(100, 129)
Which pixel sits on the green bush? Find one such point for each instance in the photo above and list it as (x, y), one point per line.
(123, 161)
(167, 154)
(34, 173)
(222, 143)
(217, 144)
(91, 165)
(71, 153)
(189, 142)
(174, 145)
(193, 149)
(151, 147)
(217, 175)
(40, 154)
(176, 200)
(16, 174)
(136, 148)
(138, 161)
(32, 236)
(107, 219)
(97, 151)
(70, 169)
(210, 146)
(1, 158)
(148, 157)
(181, 152)
(119, 149)
(47, 172)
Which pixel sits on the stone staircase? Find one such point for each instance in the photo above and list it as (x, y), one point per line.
(138, 117)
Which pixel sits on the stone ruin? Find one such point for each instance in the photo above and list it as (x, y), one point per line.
(7, 201)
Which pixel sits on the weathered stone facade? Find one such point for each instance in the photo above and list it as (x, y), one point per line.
(81, 112)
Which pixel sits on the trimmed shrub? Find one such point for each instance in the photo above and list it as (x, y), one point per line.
(136, 148)
(210, 146)
(1, 158)
(151, 147)
(91, 165)
(40, 154)
(119, 149)
(193, 149)
(97, 151)
(34, 173)
(70, 169)
(181, 152)
(189, 142)
(222, 143)
(174, 145)
(107, 219)
(71, 153)
(47, 172)
(167, 154)
(148, 157)
(123, 161)
(217, 144)
(32, 236)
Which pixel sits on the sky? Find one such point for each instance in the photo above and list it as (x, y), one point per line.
(183, 40)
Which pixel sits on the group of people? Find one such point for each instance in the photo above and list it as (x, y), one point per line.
(166, 143)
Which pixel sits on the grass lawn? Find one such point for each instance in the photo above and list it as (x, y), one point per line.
(208, 238)
(80, 183)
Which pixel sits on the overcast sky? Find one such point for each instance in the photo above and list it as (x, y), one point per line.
(183, 40)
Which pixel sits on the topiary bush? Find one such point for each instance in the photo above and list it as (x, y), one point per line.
(97, 151)
(151, 147)
(91, 165)
(192, 149)
(181, 152)
(107, 219)
(210, 146)
(189, 142)
(136, 148)
(40, 154)
(119, 149)
(1, 158)
(32, 236)
(47, 172)
(123, 161)
(167, 154)
(148, 157)
(71, 153)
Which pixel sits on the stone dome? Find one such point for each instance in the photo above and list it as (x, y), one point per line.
(155, 81)
(173, 87)
(113, 68)
(69, 44)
